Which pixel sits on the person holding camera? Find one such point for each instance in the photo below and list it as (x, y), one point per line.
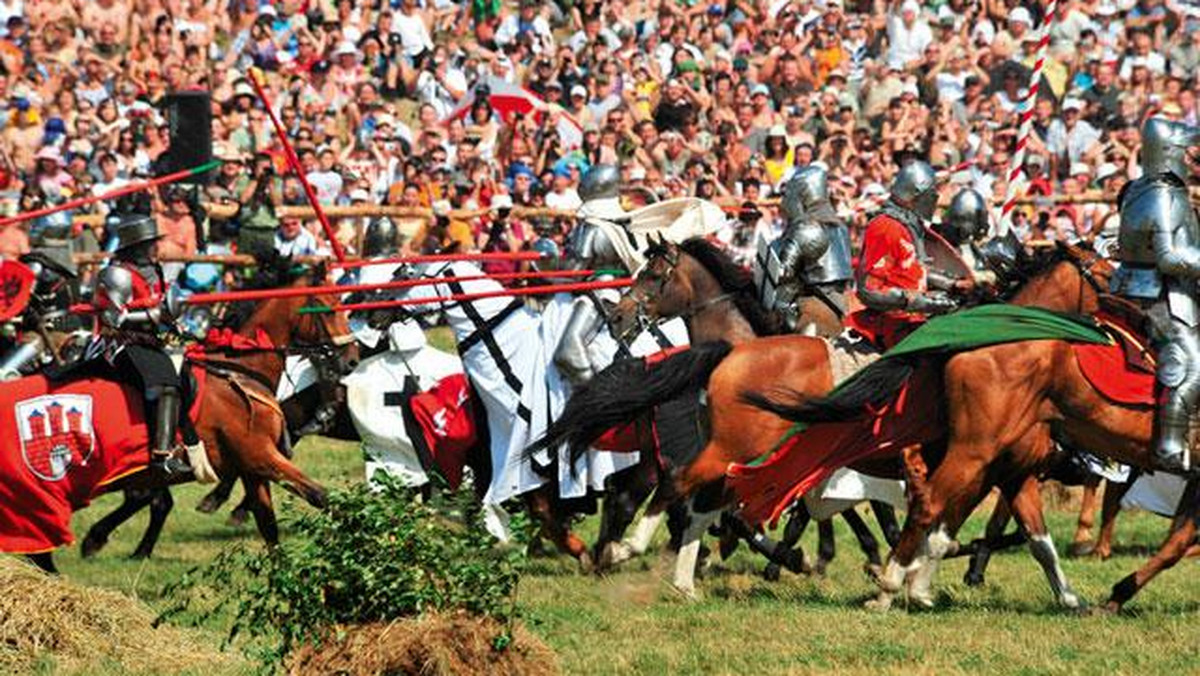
(257, 220)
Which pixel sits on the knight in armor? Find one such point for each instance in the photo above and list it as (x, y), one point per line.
(589, 246)
(129, 299)
(965, 226)
(894, 279)
(1159, 250)
(814, 250)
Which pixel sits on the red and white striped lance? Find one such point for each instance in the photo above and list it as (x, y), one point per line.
(1016, 165)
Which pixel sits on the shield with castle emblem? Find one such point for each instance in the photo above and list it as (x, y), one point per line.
(56, 433)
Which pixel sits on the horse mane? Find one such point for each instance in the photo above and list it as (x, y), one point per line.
(735, 280)
(272, 272)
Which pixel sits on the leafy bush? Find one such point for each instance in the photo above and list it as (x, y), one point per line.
(369, 557)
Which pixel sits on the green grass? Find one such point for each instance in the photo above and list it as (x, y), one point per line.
(632, 622)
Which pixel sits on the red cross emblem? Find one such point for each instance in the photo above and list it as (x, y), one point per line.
(56, 433)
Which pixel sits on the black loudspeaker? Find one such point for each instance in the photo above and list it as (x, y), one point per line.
(189, 116)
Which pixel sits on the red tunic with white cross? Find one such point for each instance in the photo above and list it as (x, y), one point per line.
(889, 260)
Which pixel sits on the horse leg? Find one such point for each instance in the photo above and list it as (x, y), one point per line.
(1026, 501)
(97, 536)
(217, 496)
(1180, 540)
(789, 553)
(630, 490)
(242, 512)
(263, 510)
(540, 503)
(866, 541)
(695, 524)
(977, 567)
(1081, 543)
(921, 514)
(826, 546)
(1111, 507)
(45, 561)
(161, 503)
(885, 516)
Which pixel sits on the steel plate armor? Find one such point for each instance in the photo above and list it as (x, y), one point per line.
(1159, 249)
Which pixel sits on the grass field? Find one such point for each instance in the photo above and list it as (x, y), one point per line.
(632, 622)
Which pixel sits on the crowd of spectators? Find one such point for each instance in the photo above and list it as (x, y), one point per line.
(418, 102)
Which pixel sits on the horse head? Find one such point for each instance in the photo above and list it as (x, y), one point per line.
(1066, 278)
(660, 290)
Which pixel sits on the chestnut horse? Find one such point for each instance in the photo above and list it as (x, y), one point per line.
(698, 282)
(741, 432)
(233, 375)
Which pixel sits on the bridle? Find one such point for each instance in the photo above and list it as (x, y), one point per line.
(641, 296)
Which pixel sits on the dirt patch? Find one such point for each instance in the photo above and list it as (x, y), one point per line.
(435, 644)
(49, 618)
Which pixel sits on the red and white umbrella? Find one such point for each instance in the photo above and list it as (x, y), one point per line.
(508, 99)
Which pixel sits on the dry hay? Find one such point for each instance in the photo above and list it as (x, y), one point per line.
(49, 618)
(457, 644)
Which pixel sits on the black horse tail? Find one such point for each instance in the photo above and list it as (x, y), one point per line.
(627, 388)
(870, 388)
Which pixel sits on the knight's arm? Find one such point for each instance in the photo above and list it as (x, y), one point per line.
(802, 243)
(1175, 259)
(885, 300)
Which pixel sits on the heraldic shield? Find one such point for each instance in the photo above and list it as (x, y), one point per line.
(56, 433)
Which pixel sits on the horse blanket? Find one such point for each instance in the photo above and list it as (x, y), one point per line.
(806, 456)
(63, 443)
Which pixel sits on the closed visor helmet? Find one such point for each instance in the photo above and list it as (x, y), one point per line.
(600, 192)
(1165, 146)
(135, 229)
(380, 237)
(915, 188)
(808, 187)
(966, 219)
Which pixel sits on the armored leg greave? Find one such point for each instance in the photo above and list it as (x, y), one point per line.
(1179, 373)
(166, 417)
(571, 356)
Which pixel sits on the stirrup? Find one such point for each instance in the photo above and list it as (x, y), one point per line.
(169, 463)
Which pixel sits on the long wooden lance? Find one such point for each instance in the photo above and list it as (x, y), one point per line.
(463, 297)
(112, 194)
(444, 258)
(294, 162)
(299, 291)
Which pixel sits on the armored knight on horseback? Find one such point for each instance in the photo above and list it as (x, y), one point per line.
(964, 226)
(1159, 250)
(894, 278)
(129, 302)
(812, 256)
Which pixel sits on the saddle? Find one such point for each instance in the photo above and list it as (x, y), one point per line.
(1130, 326)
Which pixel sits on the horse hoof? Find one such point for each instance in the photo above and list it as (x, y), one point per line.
(729, 544)
(973, 579)
(794, 560)
(613, 554)
(91, 546)
(874, 571)
(879, 604)
(237, 518)
(585, 564)
(772, 572)
(209, 505)
(819, 569)
(139, 555)
(1081, 549)
(921, 601)
(1102, 554)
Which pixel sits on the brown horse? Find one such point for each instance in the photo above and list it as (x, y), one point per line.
(239, 420)
(740, 431)
(699, 283)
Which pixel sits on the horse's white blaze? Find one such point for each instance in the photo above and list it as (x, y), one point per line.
(1042, 548)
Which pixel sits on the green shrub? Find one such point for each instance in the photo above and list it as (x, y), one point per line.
(369, 557)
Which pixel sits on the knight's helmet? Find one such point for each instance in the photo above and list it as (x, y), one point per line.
(965, 220)
(380, 238)
(807, 188)
(1165, 146)
(600, 192)
(915, 188)
(132, 230)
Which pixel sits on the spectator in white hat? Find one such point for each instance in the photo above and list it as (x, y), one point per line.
(908, 33)
(1076, 138)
